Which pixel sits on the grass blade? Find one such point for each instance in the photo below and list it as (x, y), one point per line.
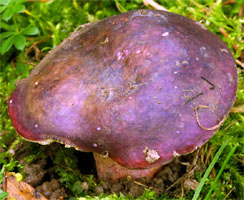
(221, 171)
(216, 157)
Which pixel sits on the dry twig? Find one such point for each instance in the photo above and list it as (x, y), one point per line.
(36, 49)
(237, 109)
(240, 63)
(154, 5)
(225, 34)
(198, 121)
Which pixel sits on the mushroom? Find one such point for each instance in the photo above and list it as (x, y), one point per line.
(137, 89)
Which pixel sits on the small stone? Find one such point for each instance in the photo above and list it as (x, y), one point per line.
(99, 189)
(47, 193)
(58, 194)
(105, 185)
(35, 173)
(85, 186)
(117, 187)
(159, 181)
(54, 184)
(136, 190)
(39, 189)
(45, 186)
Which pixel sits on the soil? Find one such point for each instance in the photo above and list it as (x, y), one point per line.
(175, 179)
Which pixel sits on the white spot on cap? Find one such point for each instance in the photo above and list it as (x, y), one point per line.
(165, 34)
(36, 83)
(95, 145)
(177, 63)
(11, 101)
(151, 155)
(203, 48)
(177, 131)
(175, 154)
(230, 77)
(184, 62)
(36, 125)
(45, 142)
(207, 23)
(197, 58)
(126, 52)
(205, 55)
(99, 128)
(67, 146)
(105, 154)
(119, 55)
(201, 25)
(105, 41)
(138, 51)
(176, 87)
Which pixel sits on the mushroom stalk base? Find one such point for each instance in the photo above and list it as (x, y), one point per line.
(109, 170)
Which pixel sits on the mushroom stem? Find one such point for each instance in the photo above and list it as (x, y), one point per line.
(109, 170)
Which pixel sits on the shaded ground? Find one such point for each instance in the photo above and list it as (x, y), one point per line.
(175, 179)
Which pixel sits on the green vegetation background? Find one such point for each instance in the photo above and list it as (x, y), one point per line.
(29, 29)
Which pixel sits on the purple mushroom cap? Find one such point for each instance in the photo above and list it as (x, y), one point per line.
(140, 88)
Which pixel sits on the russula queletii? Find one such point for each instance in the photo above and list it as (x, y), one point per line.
(137, 89)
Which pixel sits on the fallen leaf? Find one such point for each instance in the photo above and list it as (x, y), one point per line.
(21, 190)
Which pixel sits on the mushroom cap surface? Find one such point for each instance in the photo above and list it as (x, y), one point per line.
(141, 87)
